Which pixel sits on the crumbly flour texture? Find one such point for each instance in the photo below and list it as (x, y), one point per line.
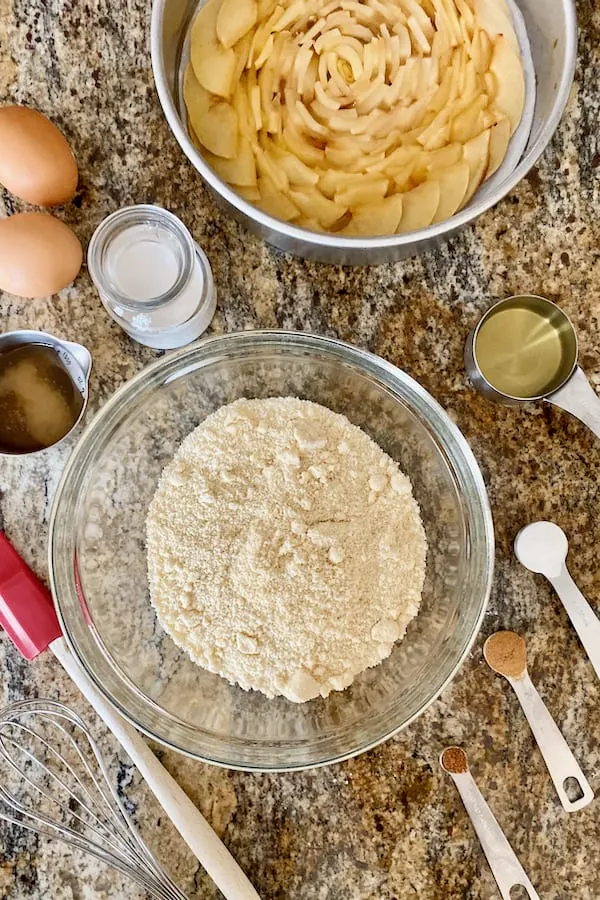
(286, 551)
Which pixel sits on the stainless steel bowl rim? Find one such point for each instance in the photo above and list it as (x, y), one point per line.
(317, 239)
(365, 360)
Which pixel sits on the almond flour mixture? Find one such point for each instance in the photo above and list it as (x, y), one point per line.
(285, 549)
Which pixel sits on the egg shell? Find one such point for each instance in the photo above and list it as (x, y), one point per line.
(36, 162)
(39, 255)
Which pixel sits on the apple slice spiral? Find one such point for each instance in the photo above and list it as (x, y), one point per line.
(357, 117)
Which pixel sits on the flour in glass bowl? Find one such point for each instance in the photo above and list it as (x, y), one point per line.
(286, 551)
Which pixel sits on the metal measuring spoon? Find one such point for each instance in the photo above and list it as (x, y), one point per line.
(542, 547)
(502, 859)
(523, 361)
(506, 653)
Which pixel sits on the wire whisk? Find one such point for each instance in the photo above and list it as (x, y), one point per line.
(54, 782)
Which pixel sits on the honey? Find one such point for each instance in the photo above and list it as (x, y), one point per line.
(39, 404)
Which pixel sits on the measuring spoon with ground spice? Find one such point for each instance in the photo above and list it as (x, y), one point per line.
(506, 868)
(506, 653)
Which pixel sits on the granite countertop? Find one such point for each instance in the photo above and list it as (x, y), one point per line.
(388, 825)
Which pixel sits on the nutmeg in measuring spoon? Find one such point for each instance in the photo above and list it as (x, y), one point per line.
(454, 760)
(506, 653)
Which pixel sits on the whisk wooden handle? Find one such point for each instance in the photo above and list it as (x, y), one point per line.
(187, 819)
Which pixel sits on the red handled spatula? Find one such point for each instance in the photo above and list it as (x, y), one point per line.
(28, 617)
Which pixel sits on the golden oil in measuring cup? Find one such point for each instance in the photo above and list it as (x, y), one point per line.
(525, 349)
(39, 403)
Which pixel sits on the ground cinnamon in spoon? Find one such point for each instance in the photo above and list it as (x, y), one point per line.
(506, 653)
(454, 760)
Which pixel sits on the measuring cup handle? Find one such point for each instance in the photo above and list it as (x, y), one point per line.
(506, 868)
(557, 754)
(583, 618)
(580, 399)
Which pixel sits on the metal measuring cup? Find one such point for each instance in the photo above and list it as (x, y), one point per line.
(568, 388)
(76, 359)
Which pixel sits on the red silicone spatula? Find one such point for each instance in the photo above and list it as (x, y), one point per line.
(28, 617)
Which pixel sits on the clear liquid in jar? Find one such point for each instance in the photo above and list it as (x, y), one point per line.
(39, 404)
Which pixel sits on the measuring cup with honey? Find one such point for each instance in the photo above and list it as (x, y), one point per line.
(43, 390)
(525, 348)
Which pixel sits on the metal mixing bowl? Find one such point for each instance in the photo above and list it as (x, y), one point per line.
(98, 556)
(552, 30)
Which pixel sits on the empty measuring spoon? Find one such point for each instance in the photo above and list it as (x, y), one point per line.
(506, 653)
(542, 547)
(506, 868)
(525, 348)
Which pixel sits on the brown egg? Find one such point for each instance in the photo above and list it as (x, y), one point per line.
(36, 163)
(39, 255)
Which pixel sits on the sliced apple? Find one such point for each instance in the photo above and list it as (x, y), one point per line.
(476, 155)
(429, 162)
(453, 182)
(268, 165)
(298, 144)
(402, 156)
(441, 97)
(274, 202)
(439, 125)
(365, 190)
(242, 49)
(214, 120)
(469, 122)
(265, 53)
(239, 171)
(418, 35)
(293, 12)
(494, 17)
(402, 176)
(297, 172)
(235, 19)
(414, 8)
(467, 19)
(213, 65)
(481, 51)
(265, 9)
(330, 181)
(251, 194)
(342, 152)
(376, 218)
(469, 82)
(246, 123)
(419, 207)
(453, 22)
(507, 70)
(499, 138)
(204, 29)
(436, 140)
(309, 224)
(313, 204)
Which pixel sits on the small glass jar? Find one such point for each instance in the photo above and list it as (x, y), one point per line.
(152, 277)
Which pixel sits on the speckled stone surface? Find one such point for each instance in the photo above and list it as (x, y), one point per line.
(388, 825)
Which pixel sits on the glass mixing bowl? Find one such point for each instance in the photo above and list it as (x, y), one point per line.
(98, 556)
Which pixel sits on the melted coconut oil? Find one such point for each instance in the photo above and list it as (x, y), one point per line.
(39, 403)
(523, 353)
